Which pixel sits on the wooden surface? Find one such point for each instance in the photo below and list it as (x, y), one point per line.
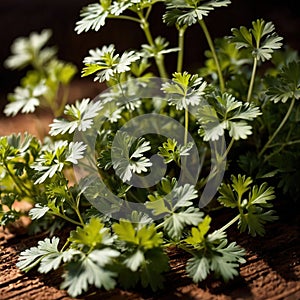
(272, 272)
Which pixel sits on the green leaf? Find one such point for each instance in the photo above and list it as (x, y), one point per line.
(170, 151)
(177, 209)
(158, 48)
(184, 90)
(145, 236)
(80, 117)
(198, 268)
(108, 65)
(254, 220)
(228, 259)
(212, 254)
(38, 211)
(254, 204)
(151, 272)
(287, 84)
(197, 234)
(92, 234)
(89, 271)
(175, 223)
(126, 231)
(32, 256)
(261, 40)
(260, 195)
(226, 112)
(93, 17)
(25, 100)
(134, 261)
(241, 184)
(29, 50)
(126, 162)
(53, 260)
(189, 12)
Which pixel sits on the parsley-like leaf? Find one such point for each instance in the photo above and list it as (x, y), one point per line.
(261, 40)
(184, 90)
(185, 12)
(226, 113)
(80, 117)
(88, 270)
(177, 209)
(287, 85)
(254, 208)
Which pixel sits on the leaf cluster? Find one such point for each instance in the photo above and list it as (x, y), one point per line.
(225, 101)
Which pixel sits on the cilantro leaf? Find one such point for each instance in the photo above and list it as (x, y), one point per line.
(106, 64)
(29, 50)
(198, 268)
(91, 235)
(226, 113)
(126, 162)
(34, 255)
(184, 90)
(145, 236)
(212, 254)
(25, 99)
(177, 209)
(88, 270)
(80, 117)
(254, 208)
(197, 234)
(189, 12)
(261, 40)
(170, 151)
(287, 84)
(93, 17)
(228, 259)
(38, 211)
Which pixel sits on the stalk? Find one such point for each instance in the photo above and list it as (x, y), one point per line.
(181, 32)
(159, 58)
(251, 85)
(228, 149)
(186, 125)
(23, 189)
(66, 218)
(229, 223)
(278, 128)
(214, 54)
(64, 101)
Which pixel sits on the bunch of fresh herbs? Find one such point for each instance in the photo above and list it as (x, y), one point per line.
(236, 98)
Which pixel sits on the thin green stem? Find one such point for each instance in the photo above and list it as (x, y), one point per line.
(287, 115)
(66, 218)
(285, 144)
(228, 149)
(231, 222)
(122, 17)
(23, 189)
(64, 101)
(79, 215)
(64, 246)
(159, 58)
(181, 32)
(186, 249)
(214, 54)
(159, 226)
(251, 85)
(186, 125)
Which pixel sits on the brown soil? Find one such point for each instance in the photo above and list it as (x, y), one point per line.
(272, 272)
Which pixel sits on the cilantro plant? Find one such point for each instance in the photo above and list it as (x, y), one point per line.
(46, 75)
(240, 113)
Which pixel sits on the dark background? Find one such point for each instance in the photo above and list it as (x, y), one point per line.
(19, 18)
